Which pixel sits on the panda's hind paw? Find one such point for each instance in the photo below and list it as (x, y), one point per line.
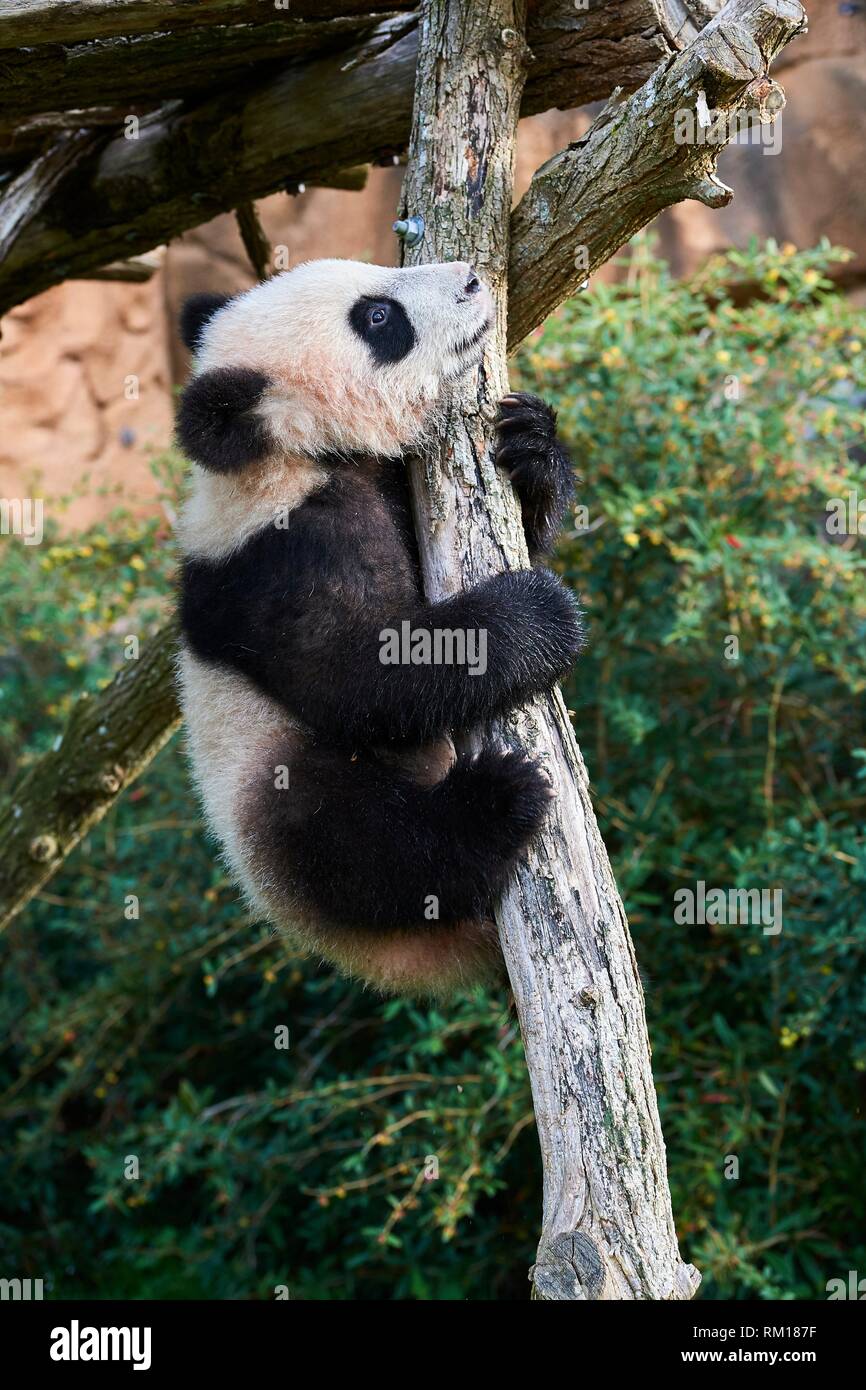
(503, 790)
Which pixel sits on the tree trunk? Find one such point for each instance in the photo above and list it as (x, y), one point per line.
(607, 1228)
(109, 739)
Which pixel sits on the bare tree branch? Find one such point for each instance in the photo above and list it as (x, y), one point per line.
(590, 199)
(161, 65)
(25, 22)
(26, 195)
(135, 270)
(183, 166)
(109, 740)
(256, 244)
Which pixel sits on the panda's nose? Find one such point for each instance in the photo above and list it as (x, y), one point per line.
(473, 284)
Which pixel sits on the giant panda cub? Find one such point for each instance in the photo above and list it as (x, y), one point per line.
(328, 774)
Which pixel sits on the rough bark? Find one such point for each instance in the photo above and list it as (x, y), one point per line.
(631, 148)
(182, 51)
(27, 194)
(154, 67)
(136, 270)
(342, 109)
(20, 876)
(256, 243)
(36, 22)
(110, 738)
(67, 21)
(607, 1229)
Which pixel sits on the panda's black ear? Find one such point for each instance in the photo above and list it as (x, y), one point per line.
(217, 424)
(195, 313)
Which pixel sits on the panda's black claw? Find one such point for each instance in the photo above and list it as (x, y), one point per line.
(536, 463)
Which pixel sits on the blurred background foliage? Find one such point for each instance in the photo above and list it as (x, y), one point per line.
(389, 1151)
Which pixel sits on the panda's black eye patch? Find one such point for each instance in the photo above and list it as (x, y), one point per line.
(384, 326)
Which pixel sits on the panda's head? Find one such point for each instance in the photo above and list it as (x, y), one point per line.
(333, 356)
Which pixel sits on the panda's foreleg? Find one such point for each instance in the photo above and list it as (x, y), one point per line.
(362, 845)
(538, 465)
(394, 680)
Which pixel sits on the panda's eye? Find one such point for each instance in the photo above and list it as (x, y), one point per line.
(382, 325)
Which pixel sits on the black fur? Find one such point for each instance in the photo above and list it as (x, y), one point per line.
(195, 313)
(215, 422)
(356, 838)
(300, 611)
(384, 326)
(364, 844)
(538, 466)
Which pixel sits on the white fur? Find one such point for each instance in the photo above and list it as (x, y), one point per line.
(327, 394)
(224, 510)
(232, 730)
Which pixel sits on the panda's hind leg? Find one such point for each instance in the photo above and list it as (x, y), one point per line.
(390, 878)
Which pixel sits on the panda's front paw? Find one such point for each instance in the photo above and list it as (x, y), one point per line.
(537, 464)
(526, 443)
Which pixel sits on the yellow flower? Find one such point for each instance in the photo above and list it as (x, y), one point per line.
(137, 563)
(631, 538)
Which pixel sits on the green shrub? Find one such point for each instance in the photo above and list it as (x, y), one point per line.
(709, 437)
